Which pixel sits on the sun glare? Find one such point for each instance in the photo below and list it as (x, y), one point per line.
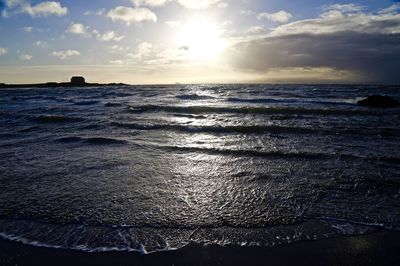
(200, 39)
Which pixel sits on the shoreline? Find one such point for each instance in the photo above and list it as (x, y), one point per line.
(377, 248)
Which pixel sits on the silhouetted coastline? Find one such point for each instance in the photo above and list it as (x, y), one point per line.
(76, 81)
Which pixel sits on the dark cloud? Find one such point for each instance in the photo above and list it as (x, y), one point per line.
(375, 57)
(342, 38)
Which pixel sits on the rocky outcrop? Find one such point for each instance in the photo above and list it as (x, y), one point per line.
(379, 101)
(79, 81)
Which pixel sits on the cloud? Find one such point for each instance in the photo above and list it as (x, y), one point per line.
(84, 31)
(143, 52)
(98, 12)
(392, 9)
(190, 4)
(346, 20)
(108, 36)
(199, 4)
(28, 29)
(117, 48)
(144, 49)
(25, 57)
(280, 16)
(41, 44)
(149, 2)
(117, 62)
(344, 8)
(364, 45)
(3, 51)
(255, 30)
(78, 29)
(131, 15)
(174, 23)
(65, 54)
(42, 9)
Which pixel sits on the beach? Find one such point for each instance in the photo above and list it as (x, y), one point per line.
(379, 248)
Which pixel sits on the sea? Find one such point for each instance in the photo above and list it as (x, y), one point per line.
(156, 168)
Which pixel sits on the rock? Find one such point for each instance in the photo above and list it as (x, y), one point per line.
(78, 80)
(379, 101)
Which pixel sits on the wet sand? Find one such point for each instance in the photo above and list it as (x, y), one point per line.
(379, 248)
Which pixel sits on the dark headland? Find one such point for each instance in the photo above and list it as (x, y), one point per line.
(76, 81)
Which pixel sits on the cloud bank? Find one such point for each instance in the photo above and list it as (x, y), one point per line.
(342, 38)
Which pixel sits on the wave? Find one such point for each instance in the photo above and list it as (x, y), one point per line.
(109, 104)
(146, 240)
(254, 129)
(56, 119)
(194, 97)
(255, 153)
(295, 101)
(259, 129)
(246, 110)
(277, 154)
(101, 140)
(93, 140)
(86, 103)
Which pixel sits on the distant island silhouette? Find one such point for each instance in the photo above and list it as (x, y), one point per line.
(76, 81)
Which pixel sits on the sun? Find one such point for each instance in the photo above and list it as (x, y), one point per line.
(200, 40)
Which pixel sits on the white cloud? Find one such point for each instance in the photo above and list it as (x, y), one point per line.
(198, 4)
(46, 9)
(344, 8)
(342, 21)
(190, 4)
(143, 49)
(174, 23)
(65, 54)
(280, 16)
(222, 5)
(28, 29)
(108, 36)
(117, 62)
(25, 57)
(150, 2)
(131, 15)
(142, 54)
(78, 29)
(82, 30)
(391, 9)
(41, 44)
(118, 48)
(255, 30)
(42, 9)
(247, 12)
(3, 51)
(98, 12)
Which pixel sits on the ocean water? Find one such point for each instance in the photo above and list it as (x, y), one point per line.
(151, 168)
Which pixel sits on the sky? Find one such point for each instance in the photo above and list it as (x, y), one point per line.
(200, 41)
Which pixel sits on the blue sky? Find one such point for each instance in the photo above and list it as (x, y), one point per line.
(167, 41)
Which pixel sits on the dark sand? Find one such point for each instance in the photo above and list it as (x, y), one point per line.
(379, 248)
